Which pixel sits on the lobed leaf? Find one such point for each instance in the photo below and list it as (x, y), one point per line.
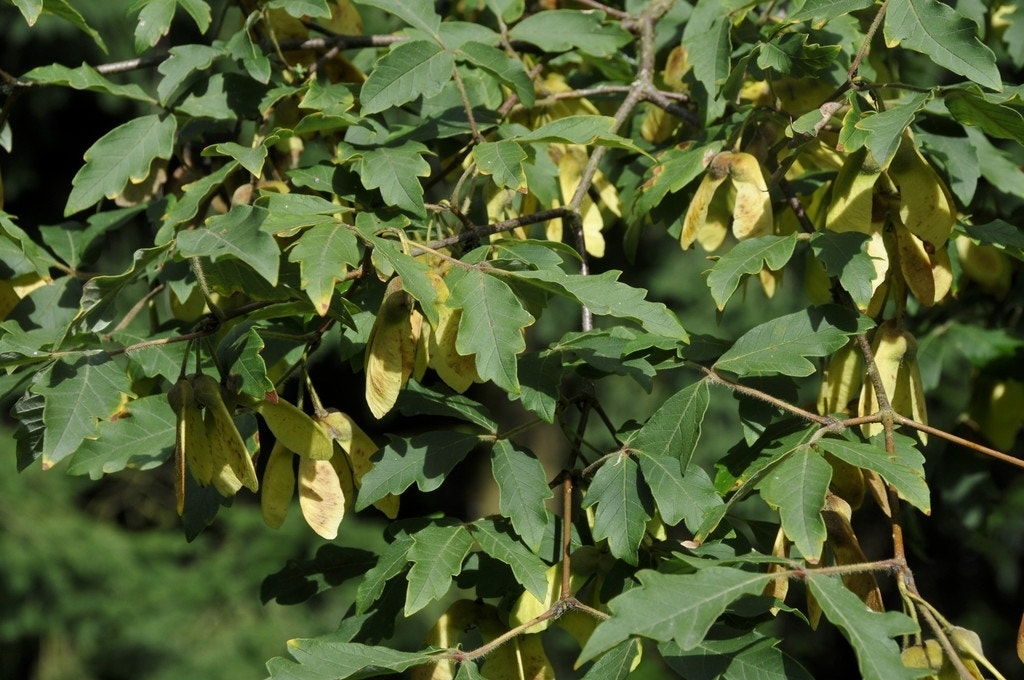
(946, 36)
(322, 252)
(869, 632)
(623, 506)
(797, 487)
(678, 607)
(491, 326)
(394, 170)
(495, 539)
(79, 392)
(522, 491)
(85, 77)
(905, 470)
(142, 438)
(782, 345)
(237, 235)
(436, 554)
(748, 257)
(424, 459)
(417, 68)
(122, 155)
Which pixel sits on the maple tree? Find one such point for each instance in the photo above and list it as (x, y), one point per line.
(418, 204)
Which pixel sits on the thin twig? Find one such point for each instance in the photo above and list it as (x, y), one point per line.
(866, 45)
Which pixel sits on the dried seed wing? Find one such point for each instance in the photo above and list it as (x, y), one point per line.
(390, 350)
(278, 486)
(458, 371)
(928, 274)
(297, 431)
(697, 212)
(752, 209)
(842, 381)
(987, 266)
(359, 447)
(846, 550)
(908, 399)
(225, 479)
(320, 497)
(346, 478)
(926, 206)
(852, 199)
(889, 347)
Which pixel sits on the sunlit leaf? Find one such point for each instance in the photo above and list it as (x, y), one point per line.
(394, 170)
(946, 36)
(85, 77)
(122, 155)
(436, 555)
(79, 392)
(870, 633)
(235, 235)
(417, 68)
(623, 506)
(905, 471)
(797, 488)
(522, 491)
(561, 30)
(782, 345)
(424, 460)
(678, 607)
(745, 258)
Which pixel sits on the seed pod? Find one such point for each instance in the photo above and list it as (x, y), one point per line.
(925, 269)
(233, 466)
(278, 486)
(390, 349)
(320, 496)
(926, 206)
(297, 431)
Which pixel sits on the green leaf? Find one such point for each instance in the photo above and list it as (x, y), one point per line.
(617, 663)
(417, 68)
(706, 38)
(797, 487)
(845, 256)
(288, 213)
(491, 327)
(242, 47)
(623, 506)
(822, 11)
(250, 158)
(154, 22)
(31, 9)
(748, 257)
(947, 37)
(425, 459)
(674, 429)
(509, 71)
(122, 155)
(322, 252)
(321, 657)
(503, 161)
(970, 107)
(782, 345)
(235, 235)
(750, 656)
(582, 129)
(665, 480)
(390, 563)
(79, 393)
(905, 471)
(496, 539)
(417, 400)
(522, 491)
(676, 168)
(605, 295)
(679, 607)
(539, 378)
(870, 633)
(98, 307)
(417, 14)
(240, 352)
(85, 77)
(883, 131)
(791, 55)
(195, 194)
(394, 170)
(436, 553)
(561, 30)
(1000, 234)
(140, 439)
(318, 9)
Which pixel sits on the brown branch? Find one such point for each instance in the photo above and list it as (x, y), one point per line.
(495, 228)
(966, 443)
(866, 45)
(566, 591)
(716, 379)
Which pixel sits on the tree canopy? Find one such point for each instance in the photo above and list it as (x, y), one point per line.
(649, 337)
